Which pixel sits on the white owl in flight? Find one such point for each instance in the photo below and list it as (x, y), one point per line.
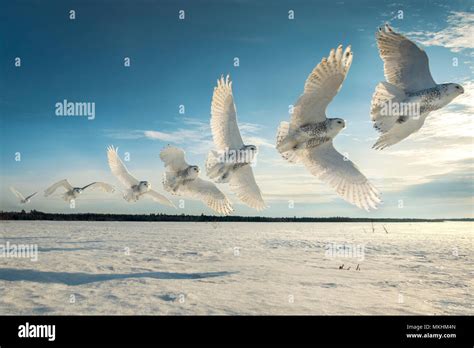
(401, 104)
(182, 179)
(134, 189)
(22, 199)
(72, 193)
(308, 138)
(231, 162)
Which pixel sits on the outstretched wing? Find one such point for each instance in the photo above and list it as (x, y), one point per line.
(326, 163)
(31, 196)
(243, 184)
(405, 64)
(173, 158)
(225, 130)
(321, 87)
(208, 193)
(118, 168)
(100, 185)
(159, 198)
(17, 193)
(63, 183)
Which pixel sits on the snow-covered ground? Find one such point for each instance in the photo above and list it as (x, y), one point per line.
(238, 268)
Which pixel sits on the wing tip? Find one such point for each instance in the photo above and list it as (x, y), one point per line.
(112, 151)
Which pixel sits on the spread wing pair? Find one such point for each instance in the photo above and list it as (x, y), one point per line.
(408, 82)
(324, 161)
(68, 187)
(181, 178)
(22, 198)
(119, 170)
(226, 135)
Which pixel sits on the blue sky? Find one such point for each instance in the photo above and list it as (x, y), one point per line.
(176, 62)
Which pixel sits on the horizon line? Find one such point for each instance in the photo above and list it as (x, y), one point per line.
(18, 214)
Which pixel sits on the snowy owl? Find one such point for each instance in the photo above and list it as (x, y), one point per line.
(20, 197)
(181, 178)
(73, 192)
(134, 188)
(308, 137)
(231, 162)
(401, 105)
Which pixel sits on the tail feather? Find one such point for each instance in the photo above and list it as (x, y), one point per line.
(384, 97)
(282, 132)
(129, 196)
(284, 143)
(216, 169)
(169, 182)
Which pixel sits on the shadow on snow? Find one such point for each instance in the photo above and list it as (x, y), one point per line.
(12, 274)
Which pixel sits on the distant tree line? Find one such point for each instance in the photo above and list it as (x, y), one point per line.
(38, 215)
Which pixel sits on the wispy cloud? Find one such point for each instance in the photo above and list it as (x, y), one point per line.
(178, 136)
(123, 134)
(195, 134)
(457, 36)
